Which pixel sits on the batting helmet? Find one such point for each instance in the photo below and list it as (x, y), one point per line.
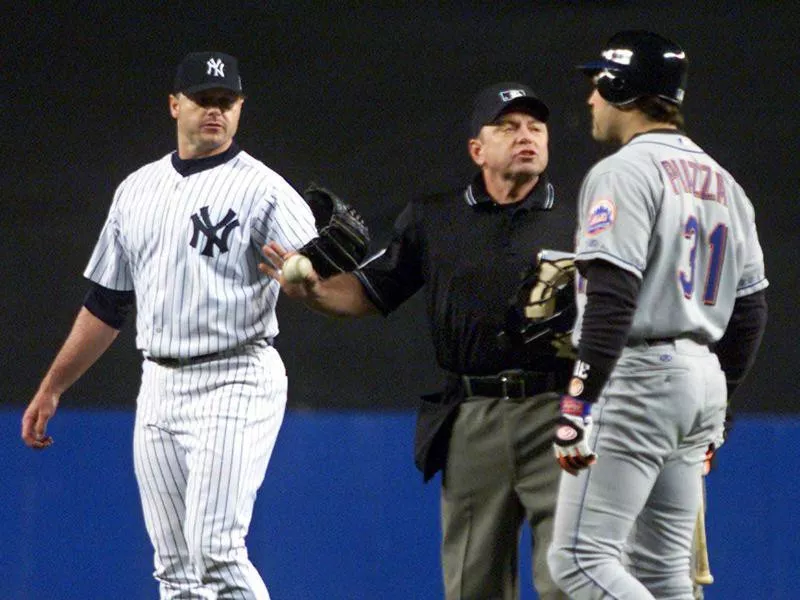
(639, 63)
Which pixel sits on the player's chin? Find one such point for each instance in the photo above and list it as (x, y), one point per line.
(215, 137)
(211, 141)
(599, 134)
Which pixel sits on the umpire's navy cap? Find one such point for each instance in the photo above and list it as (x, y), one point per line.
(500, 98)
(206, 70)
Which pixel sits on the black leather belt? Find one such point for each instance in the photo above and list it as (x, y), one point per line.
(181, 362)
(166, 361)
(649, 341)
(510, 384)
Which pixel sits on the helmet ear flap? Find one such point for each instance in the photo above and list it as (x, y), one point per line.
(616, 87)
(611, 87)
(617, 84)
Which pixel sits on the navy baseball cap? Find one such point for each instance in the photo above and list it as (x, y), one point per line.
(206, 70)
(500, 98)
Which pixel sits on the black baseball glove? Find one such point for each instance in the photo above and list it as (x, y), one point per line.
(343, 238)
(542, 311)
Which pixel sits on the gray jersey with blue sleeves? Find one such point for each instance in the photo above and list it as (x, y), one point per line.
(664, 210)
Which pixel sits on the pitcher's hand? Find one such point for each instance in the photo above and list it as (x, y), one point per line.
(34, 421)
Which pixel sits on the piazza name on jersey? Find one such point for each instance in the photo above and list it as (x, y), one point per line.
(697, 179)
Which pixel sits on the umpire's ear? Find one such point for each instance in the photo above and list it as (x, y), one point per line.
(475, 149)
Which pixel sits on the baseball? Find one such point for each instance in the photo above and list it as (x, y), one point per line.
(296, 268)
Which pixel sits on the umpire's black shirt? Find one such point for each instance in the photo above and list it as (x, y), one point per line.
(469, 252)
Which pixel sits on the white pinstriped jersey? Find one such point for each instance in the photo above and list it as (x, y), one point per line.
(664, 210)
(189, 246)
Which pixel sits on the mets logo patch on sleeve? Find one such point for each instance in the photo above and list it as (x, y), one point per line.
(602, 214)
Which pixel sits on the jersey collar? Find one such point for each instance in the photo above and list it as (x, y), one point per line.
(196, 165)
(541, 197)
(667, 130)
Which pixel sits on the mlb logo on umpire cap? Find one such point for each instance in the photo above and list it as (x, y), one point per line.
(206, 70)
(502, 97)
(509, 95)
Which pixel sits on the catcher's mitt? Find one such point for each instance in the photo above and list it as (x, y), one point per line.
(542, 311)
(343, 238)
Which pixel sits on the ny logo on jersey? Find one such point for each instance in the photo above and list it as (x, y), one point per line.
(215, 67)
(202, 224)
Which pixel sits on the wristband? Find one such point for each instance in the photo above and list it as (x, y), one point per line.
(587, 382)
(574, 407)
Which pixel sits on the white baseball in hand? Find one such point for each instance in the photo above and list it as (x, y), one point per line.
(296, 269)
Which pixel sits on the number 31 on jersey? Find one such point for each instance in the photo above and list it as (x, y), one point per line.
(711, 248)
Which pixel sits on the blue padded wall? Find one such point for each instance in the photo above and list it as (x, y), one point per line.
(342, 514)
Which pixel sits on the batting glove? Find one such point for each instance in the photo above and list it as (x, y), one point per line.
(710, 459)
(572, 434)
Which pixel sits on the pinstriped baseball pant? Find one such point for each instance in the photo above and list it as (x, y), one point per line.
(203, 437)
(659, 411)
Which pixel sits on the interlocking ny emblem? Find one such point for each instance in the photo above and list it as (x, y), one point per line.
(202, 224)
(215, 67)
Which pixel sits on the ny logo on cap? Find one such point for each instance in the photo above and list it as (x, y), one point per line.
(509, 95)
(215, 67)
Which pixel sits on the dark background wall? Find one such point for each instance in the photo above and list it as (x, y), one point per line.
(371, 100)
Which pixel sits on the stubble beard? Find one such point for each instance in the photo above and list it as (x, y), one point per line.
(522, 176)
(206, 144)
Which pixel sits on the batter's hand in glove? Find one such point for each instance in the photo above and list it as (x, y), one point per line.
(572, 434)
(710, 459)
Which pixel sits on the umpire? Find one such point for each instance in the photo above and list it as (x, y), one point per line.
(490, 429)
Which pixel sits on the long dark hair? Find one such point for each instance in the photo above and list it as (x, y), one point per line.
(660, 110)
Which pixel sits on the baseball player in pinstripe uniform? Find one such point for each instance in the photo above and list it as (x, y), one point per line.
(671, 310)
(184, 235)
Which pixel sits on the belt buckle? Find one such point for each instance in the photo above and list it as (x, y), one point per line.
(504, 386)
(509, 377)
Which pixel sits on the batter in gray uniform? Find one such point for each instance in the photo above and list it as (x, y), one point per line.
(671, 307)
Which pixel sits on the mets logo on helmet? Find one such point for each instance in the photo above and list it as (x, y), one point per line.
(620, 56)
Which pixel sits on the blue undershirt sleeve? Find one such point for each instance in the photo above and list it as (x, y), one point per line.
(110, 306)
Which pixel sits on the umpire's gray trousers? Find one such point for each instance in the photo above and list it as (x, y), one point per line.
(500, 471)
